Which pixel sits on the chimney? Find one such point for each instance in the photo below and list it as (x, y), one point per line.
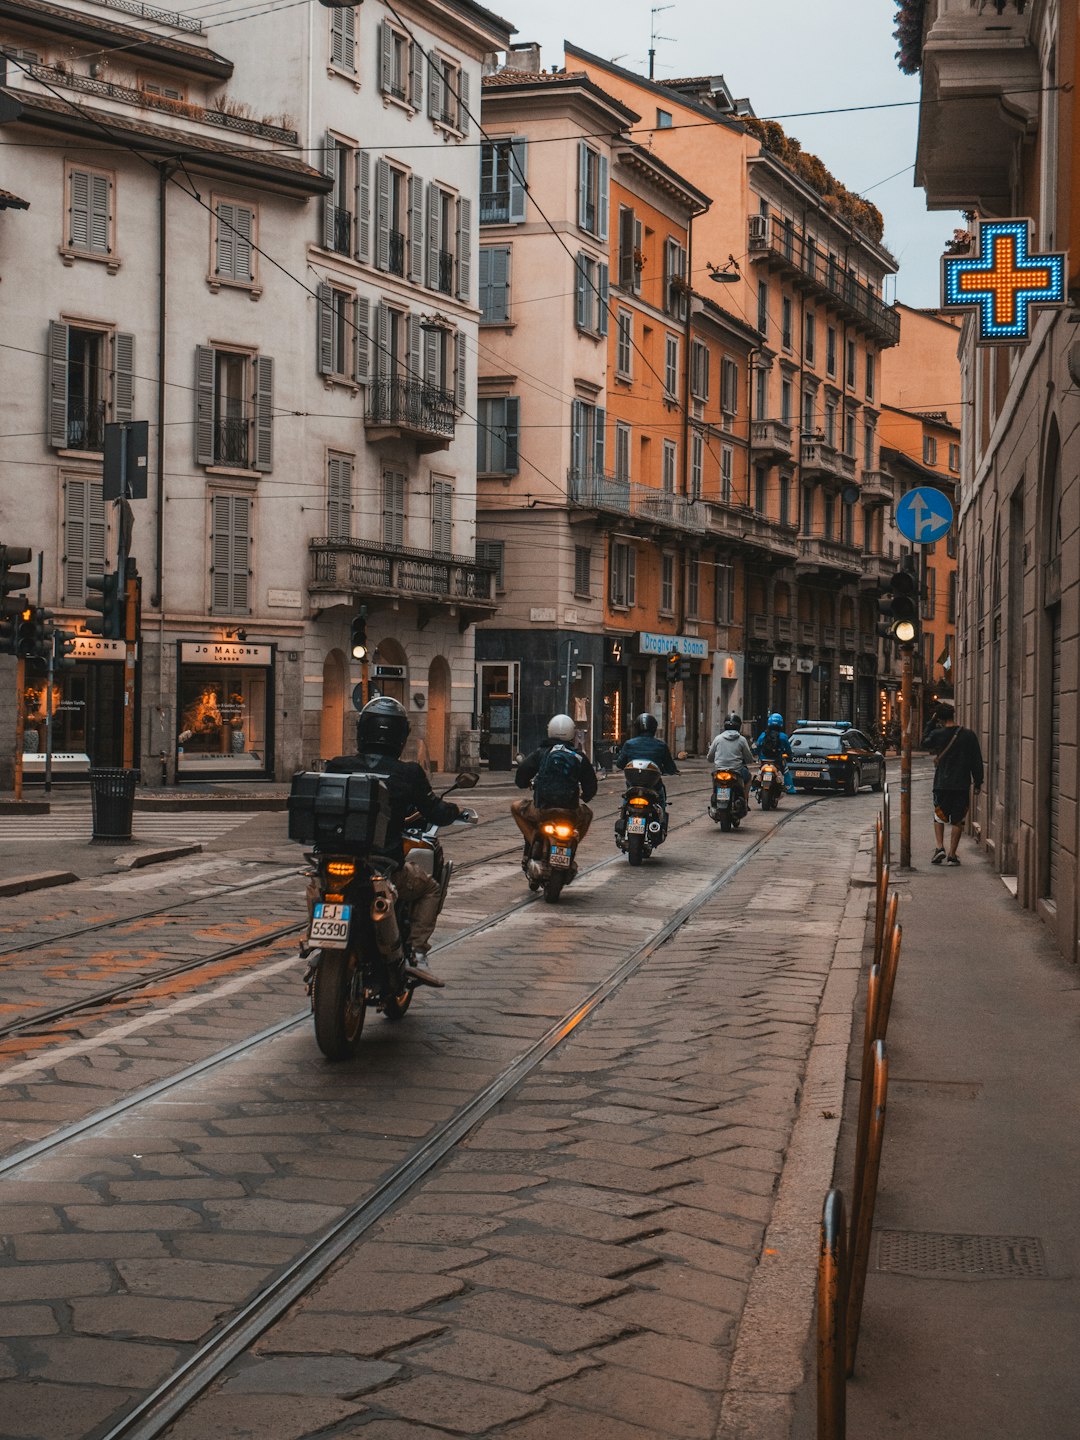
(525, 56)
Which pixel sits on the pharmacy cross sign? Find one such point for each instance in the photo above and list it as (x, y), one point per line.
(1003, 282)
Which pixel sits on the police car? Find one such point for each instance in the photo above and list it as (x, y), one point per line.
(833, 755)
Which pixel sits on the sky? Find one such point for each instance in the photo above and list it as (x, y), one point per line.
(786, 56)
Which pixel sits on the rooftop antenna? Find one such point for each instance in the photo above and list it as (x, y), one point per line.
(653, 37)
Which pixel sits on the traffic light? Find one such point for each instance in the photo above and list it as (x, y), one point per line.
(684, 668)
(63, 645)
(358, 644)
(12, 604)
(32, 635)
(899, 608)
(674, 667)
(105, 598)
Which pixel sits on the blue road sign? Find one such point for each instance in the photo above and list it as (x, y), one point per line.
(924, 515)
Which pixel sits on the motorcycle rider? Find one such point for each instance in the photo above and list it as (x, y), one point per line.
(644, 744)
(773, 744)
(562, 731)
(382, 728)
(730, 751)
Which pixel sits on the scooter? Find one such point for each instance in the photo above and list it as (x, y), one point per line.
(642, 823)
(550, 867)
(357, 946)
(769, 784)
(728, 804)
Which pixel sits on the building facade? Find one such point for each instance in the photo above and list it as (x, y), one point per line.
(1007, 149)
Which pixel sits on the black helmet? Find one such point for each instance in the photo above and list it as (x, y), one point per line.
(383, 726)
(733, 722)
(645, 724)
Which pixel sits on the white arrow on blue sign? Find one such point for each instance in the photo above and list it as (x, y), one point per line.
(924, 515)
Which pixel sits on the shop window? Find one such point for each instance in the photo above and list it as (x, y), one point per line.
(234, 409)
(231, 540)
(224, 720)
(90, 380)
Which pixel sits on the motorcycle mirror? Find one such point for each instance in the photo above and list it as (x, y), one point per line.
(467, 780)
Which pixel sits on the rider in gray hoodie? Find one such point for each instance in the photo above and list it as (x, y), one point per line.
(731, 750)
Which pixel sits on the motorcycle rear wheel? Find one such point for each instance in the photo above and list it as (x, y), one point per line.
(725, 820)
(770, 801)
(339, 1018)
(553, 888)
(635, 849)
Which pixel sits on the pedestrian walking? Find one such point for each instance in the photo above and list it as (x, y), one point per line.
(957, 767)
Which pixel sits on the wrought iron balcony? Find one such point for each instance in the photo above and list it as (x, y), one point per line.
(397, 253)
(753, 533)
(342, 226)
(819, 460)
(782, 248)
(876, 487)
(86, 424)
(445, 277)
(494, 207)
(410, 409)
(595, 490)
(231, 442)
(352, 569)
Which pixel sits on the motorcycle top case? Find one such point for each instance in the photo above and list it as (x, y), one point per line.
(343, 812)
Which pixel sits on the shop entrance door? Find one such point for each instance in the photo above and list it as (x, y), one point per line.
(497, 686)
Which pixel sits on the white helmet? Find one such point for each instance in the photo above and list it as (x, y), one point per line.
(561, 727)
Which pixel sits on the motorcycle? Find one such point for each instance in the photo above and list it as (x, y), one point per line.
(358, 948)
(728, 804)
(768, 783)
(642, 824)
(551, 865)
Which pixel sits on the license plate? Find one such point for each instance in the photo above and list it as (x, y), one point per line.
(330, 924)
(635, 825)
(560, 857)
(723, 792)
(806, 774)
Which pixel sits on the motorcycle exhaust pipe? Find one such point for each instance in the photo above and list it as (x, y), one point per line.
(654, 827)
(384, 920)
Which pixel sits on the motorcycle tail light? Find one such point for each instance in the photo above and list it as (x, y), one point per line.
(341, 869)
(637, 800)
(723, 775)
(564, 831)
(333, 899)
(832, 759)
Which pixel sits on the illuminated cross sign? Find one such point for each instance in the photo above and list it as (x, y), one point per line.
(1003, 281)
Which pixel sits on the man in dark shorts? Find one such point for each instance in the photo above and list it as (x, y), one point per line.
(958, 766)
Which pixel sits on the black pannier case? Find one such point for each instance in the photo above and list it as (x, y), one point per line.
(342, 812)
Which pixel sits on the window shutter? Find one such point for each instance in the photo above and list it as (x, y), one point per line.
(434, 197)
(337, 38)
(442, 512)
(204, 405)
(577, 437)
(79, 210)
(615, 594)
(435, 88)
(221, 554)
(460, 373)
(483, 282)
(382, 214)
(463, 101)
(631, 575)
(602, 200)
(381, 365)
(416, 75)
(582, 185)
(512, 430)
(57, 399)
(416, 229)
(75, 528)
(413, 374)
(338, 498)
(494, 277)
(602, 276)
(361, 340)
(241, 554)
(123, 377)
(626, 248)
(599, 437)
(329, 204)
(638, 246)
(393, 508)
(100, 196)
(518, 177)
(464, 250)
(363, 206)
(581, 292)
(244, 221)
(264, 413)
(224, 249)
(324, 328)
(386, 57)
(431, 359)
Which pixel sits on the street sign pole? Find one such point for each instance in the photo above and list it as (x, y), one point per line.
(48, 717)
(905, 756)
(131, 620)
(20, 723)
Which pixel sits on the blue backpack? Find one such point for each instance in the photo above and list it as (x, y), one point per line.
(556, 786)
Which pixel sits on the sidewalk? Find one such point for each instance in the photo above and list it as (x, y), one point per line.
(972, 1315)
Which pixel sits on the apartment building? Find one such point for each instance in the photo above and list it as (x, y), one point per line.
(811, 274)
(999, 149)
(299, 336)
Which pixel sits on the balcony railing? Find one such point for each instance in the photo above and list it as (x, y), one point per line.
(818, 458)
(86, 425)
(445, 278)
(753, 532)
(231, 442)
(876, 487)
(494, 207)
(829, 555)
(363, 567)
(771, 437)
(411, 405)
(397, 253)
(342, 226)
(598, 491)
(777, 242)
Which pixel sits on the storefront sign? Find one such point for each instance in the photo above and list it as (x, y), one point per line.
(615, 651)
(650, 644)
(726, 665)
(96, 647)
(224, 652)
(285, 599)
(758, 657)
(847, 672)
(804, 667)
(781, 662)
(388, 672)
(1003, 282)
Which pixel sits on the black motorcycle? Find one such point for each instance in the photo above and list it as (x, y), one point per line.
(358, 944)
(551, 866)
(769, 784)
(642, 823)
(728, 803)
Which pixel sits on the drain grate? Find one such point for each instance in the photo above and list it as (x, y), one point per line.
(987, 1257)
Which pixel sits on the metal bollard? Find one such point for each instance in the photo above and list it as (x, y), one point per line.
(862, 1128)
(894, 935)
(862, 1227)
(880, 899)
(886, 822)
(831, 1320)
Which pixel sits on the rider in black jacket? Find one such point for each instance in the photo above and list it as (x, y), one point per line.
(561, 731)
(646, 745)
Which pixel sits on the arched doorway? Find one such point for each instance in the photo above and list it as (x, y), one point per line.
(332, 739)
(438, 726)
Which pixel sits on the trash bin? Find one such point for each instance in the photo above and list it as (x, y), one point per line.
(112, 800)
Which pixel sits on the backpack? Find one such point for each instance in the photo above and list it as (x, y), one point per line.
(556, 786)
(770, 745)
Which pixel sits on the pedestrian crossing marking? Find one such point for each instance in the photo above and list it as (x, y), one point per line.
(76, 825)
